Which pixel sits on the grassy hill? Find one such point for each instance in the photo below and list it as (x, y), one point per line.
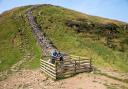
(104, 40)
(16, 39)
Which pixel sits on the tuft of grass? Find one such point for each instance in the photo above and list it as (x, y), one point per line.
(111, 87)
(112, 77)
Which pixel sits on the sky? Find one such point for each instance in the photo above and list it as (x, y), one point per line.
(113, 9)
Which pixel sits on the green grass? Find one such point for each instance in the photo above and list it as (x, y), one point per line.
(11, 39)
(8, 53)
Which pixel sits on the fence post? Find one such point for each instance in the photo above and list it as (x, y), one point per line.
(56, 69)
(79, 62)
(90, 63)
(75, 66)
(40, 63)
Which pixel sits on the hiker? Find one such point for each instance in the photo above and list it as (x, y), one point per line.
(60, 55)
(54, 56)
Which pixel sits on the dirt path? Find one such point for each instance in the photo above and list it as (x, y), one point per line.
(34, 79)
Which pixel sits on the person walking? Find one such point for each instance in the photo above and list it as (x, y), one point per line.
(54, 56)
(61, 59)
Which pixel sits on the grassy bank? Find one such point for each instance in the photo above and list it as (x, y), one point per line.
(16, 39)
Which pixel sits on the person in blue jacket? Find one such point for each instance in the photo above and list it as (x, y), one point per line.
(54, 56)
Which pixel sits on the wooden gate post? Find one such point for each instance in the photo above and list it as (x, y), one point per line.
(79, 62)
(90, 63)
(75, 66)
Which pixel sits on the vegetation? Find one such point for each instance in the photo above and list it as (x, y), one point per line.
(105, 40)
(16, 38)
(79, 34)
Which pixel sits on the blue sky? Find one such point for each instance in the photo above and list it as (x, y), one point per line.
(114, 9)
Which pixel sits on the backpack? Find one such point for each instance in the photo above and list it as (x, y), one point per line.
(55, 53)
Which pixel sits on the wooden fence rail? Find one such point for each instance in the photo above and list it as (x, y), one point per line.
(48, 68)
(70, 67)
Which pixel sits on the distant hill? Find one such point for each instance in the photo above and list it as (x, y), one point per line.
(105, 40)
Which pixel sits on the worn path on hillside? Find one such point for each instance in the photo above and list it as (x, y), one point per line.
(45, 44)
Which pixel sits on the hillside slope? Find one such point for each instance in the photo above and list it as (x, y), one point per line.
(105, 40)
(16, 39)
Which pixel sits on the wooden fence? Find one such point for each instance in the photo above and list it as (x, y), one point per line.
(69, 67)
